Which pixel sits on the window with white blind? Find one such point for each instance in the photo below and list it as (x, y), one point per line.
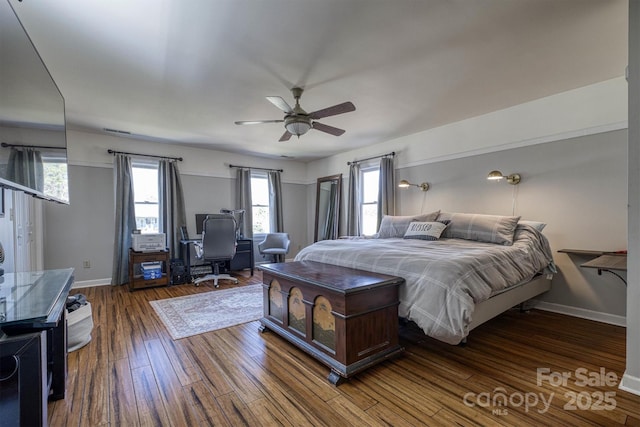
(145, 193)
(260, 208)
(369, 203)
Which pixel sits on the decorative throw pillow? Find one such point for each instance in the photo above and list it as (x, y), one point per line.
(425, 230)
(535, 224)
(396, 226)
(481, 228)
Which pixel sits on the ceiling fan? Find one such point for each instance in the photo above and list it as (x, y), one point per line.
(298, 122)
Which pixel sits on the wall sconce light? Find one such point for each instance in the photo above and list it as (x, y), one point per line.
(512, 179)
(406, 184)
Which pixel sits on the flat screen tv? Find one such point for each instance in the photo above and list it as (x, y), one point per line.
(33, 143)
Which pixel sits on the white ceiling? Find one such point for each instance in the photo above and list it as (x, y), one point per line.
(184, 71)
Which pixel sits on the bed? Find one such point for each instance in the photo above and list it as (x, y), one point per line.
(479, 267)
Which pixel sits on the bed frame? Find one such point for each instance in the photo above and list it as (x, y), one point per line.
(509, 298)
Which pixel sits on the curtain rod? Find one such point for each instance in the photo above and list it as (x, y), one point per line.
(145, 155)
(393, 153)
(4, 144)
(261, 169)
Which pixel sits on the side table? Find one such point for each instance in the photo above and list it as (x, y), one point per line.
(602, 261)
(137, 281)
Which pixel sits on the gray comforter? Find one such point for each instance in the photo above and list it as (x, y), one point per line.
(444, 278)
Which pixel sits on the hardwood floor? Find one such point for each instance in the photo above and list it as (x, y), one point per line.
(133, 374)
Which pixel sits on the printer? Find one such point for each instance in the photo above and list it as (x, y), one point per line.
(148, 242)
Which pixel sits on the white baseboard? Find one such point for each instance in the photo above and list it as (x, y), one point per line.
(90, 283)
(583, 313)
(630, 383)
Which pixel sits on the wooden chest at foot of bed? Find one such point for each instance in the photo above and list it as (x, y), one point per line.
(345, 318)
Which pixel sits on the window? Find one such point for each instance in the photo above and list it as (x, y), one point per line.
(145, 193)
(260, 203)
(56, 183)
(369, 204)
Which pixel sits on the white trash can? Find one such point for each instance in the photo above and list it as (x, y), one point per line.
(79, 327)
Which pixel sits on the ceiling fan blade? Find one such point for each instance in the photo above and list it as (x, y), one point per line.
(328, 129)
(256, 122)
(285, 136)
(280, 103)
(345, 107)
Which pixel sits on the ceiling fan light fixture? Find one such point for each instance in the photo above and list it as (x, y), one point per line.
(297, 125)
(298, 122)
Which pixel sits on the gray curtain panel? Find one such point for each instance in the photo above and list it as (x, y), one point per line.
(354, 228)
(275, 201)
(243, 201)
(171, 201)
(125, 218)
(25, 168)
(386, 189)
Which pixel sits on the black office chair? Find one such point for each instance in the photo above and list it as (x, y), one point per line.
(218, 246)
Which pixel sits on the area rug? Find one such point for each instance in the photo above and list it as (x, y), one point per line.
(218, 309)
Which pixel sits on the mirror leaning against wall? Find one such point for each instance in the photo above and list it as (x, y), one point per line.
(328, 197)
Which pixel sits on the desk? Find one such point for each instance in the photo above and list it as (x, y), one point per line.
(186, 246)
(602, 261)
(33, 317)
(243, 258)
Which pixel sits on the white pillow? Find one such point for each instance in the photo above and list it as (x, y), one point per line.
(425, 230)
(396, 226)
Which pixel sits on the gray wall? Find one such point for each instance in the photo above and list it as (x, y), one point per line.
(577, 186)
(84, 230)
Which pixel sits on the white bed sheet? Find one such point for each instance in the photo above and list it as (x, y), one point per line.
(445, 278)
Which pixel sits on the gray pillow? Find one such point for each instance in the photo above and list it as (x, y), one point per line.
(481, 228)
(535, 224)
(396, 226)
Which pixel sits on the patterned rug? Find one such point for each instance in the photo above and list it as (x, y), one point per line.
(218, 309)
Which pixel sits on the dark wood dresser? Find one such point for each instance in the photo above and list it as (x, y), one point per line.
(345, 318)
